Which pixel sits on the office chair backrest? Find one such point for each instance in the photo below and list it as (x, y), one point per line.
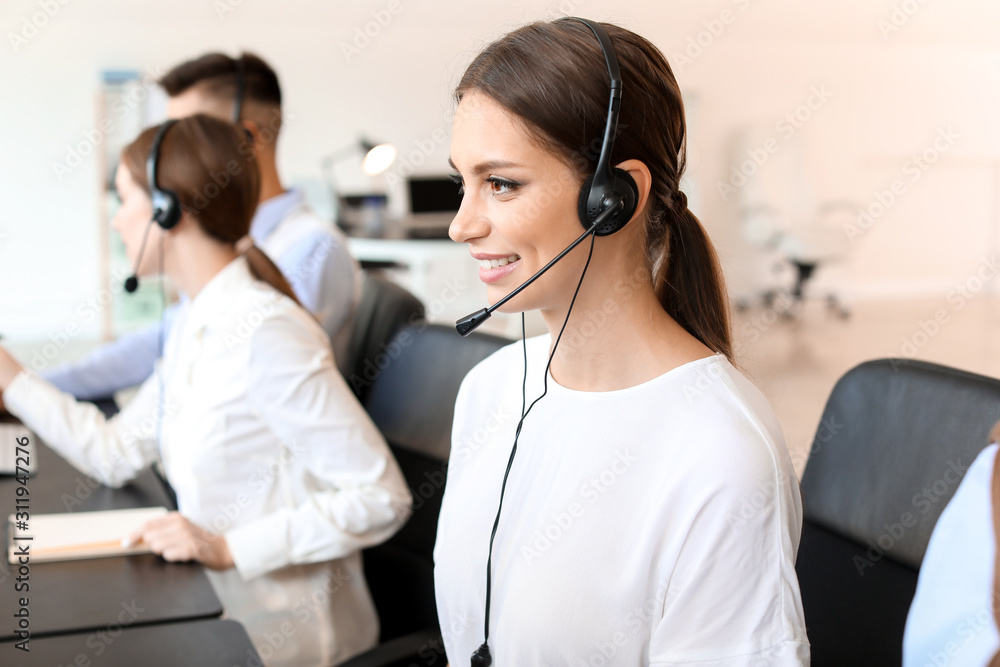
(894, 441)
(412, 401)
(384, 309)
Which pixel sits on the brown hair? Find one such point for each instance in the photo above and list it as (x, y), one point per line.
(553, 76)
(216, 73)
(217, 184)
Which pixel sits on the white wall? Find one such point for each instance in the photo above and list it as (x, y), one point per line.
(890, 95)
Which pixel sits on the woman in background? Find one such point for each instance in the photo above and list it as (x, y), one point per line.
(651, 515)
(281, 478)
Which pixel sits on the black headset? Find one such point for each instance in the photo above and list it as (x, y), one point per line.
(166, 204)
(607, 202)
(241, 84)
(599, 190)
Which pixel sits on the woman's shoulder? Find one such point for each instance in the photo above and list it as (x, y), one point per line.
(728, 413)
(259, 313)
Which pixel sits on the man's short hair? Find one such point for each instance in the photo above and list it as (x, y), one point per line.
(216, 74)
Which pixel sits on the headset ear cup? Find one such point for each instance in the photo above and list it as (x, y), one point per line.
(581, 203)
(625, 186)
(166, 209)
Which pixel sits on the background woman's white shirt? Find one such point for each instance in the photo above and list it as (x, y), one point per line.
(655, 525)
(263, 441)
(951, 617)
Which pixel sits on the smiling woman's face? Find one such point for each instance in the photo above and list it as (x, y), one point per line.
(519, 207)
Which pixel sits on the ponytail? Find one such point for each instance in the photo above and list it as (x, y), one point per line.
(688, 280)
(263, 269)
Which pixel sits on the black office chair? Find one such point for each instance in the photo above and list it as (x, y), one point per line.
(887, 457)
(412, 402)
(384, 308)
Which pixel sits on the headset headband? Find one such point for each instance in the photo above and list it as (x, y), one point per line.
(603, 166)
(241, 82)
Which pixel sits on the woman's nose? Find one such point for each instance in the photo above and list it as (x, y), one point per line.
(468, 223)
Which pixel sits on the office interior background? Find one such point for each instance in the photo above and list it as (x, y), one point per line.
(857, 136)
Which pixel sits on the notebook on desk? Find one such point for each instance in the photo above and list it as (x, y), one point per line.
(79, 535)
(11, 438)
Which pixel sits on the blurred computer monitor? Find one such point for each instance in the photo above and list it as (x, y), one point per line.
(433, 202)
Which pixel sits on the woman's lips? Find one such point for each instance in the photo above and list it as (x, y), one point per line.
(495, 273)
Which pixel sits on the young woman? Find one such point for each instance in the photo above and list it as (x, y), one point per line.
(280, 476)
(651, 515)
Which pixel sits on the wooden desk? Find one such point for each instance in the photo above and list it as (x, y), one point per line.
(103, 593)
(210, 643)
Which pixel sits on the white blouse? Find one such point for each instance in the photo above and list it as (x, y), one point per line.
(262, 441)
(654, 525)
(951, 617)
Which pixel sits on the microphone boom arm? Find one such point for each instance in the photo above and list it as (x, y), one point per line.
(471, 322)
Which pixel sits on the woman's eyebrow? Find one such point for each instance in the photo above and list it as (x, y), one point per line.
(489, 165)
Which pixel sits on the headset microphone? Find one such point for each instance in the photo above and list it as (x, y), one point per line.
(166, 203)
(132, 282)
(471, 322)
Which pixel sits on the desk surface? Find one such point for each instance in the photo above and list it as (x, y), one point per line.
(97, 594)
(211, 643)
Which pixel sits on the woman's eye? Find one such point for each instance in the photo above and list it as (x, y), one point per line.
(457, 180)
(501, 186)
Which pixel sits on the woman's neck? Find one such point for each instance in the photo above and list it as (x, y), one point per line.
(193, 265)
(618, 336)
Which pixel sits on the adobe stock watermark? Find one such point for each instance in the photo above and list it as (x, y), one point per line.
(423, 148)
(121, 465)
(365, 34)
(751, 330)
(32, 25)
(595, 319)
(922, 501)
(634, 624)
(697, 44)
(86, 312)
(269, 642)
(498, 418)
(224, 7)
(964, 632)
(786, 127)
(391, 350)
(961, 294)
(590, 492)
(911, 172)
(564, 8)
(901, 14)
(94, 137)
(825, 433)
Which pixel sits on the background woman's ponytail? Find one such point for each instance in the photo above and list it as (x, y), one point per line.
(206, 162)
(262, 268)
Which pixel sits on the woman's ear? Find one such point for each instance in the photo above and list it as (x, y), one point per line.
(643, 181)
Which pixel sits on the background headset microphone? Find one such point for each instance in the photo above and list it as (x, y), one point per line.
(607, 202)
(166, 204)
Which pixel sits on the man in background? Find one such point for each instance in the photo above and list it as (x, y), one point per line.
(311, 252)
